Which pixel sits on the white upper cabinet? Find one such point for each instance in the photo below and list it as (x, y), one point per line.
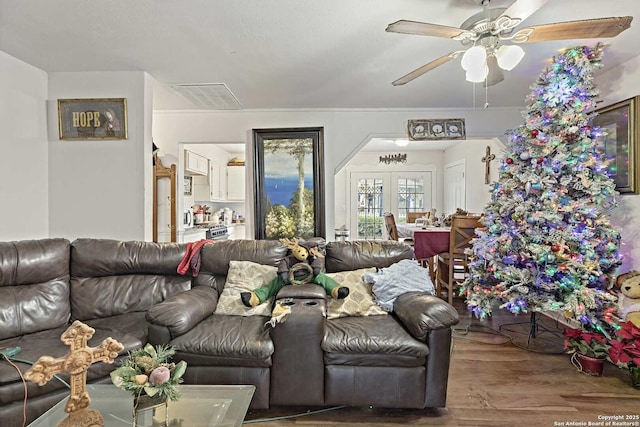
(235, 183)
(220, 184)
(195, 164)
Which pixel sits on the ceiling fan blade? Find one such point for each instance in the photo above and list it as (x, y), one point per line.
(518, 12)
(426, 29)
(587, 29)
(427, 67)
(495, 75)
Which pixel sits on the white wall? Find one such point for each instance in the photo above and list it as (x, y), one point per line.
(345, 132)
(615, 85)
(476, 191)
(23, 151)
(101, 189)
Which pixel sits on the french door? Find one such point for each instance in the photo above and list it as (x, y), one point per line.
(373, 193)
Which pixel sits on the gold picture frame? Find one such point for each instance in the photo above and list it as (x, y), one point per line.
(434, 129)
(619, 142)
(92, 118)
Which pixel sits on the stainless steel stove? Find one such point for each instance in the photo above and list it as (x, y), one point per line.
(217, 232)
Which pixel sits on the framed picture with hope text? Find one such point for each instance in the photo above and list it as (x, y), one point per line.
(94, 118)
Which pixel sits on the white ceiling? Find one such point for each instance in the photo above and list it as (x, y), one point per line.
(288, 53)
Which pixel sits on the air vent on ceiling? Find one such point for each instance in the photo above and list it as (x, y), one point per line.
(209, 96)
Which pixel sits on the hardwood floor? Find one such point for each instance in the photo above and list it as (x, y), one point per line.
(493, 382)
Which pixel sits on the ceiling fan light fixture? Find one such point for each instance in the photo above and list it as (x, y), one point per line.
(509, 56)
(485, 30)
(474, 58)
(477, 75)
(401, 142)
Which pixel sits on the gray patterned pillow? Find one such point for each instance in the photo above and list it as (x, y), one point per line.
(359, 302)
(245, 276)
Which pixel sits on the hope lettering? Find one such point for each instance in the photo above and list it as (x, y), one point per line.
(86, 119)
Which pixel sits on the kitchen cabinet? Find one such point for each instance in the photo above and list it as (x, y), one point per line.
(222, 184)
(235, 183)
(195, 164)
(213, 187)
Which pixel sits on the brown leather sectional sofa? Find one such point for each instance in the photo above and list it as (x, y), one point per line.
(131, 292)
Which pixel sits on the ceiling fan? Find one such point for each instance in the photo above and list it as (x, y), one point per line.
(485, 32)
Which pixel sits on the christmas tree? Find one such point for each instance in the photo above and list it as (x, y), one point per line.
(546, 242)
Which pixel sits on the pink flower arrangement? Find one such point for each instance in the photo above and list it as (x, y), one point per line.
(625, 350)
(148, 371)
(160, 375)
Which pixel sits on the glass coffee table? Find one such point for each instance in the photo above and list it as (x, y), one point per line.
(199, 405)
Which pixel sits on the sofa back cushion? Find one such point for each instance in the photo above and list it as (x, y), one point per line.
(34, 286)
(111, 277)
(216, 256)
(354, 255)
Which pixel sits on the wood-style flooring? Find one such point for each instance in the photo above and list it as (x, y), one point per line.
(494, 382)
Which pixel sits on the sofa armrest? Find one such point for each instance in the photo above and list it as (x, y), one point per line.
(181, 312)
(421, 313)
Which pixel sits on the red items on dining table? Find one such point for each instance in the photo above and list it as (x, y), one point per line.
(430, 242)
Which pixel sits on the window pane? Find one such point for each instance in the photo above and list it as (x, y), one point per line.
(370, 196)
(410, 196)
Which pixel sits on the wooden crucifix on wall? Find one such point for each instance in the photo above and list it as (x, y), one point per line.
(486, 160)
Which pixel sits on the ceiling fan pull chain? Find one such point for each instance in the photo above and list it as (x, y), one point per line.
(486, 96)
(473, 90)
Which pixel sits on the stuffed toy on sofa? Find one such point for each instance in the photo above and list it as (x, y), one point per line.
(629, 298)
(301, 265)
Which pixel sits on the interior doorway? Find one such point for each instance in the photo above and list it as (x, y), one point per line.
(454, 186)
(373, 193)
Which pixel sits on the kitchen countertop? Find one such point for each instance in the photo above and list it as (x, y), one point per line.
(194, 230)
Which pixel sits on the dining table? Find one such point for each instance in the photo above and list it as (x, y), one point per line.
(428, 241)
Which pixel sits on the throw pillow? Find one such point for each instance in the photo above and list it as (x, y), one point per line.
(360, 300)
(245, 276)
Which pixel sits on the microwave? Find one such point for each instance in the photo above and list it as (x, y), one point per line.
(187, 218)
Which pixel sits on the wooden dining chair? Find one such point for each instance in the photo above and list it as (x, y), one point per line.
(412, 216)
(392, 229)
(453, 265)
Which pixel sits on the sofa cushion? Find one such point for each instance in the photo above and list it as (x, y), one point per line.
(245, 276)
(227, 341)
(34, 286)
(352, 255)
(98, 297)
(371, 341)
(215, 258)
(359, 302)
(47, 343)
(134, 325)
(110, 277)
(106, 257)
